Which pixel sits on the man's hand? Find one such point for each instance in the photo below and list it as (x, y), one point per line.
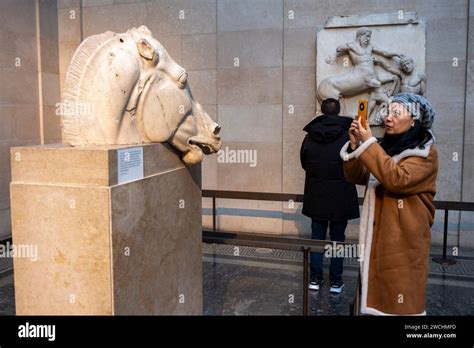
(376, 61)
(330, 60)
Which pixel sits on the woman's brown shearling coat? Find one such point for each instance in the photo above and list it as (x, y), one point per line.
(400, 240)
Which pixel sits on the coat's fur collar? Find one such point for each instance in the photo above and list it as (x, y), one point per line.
(423, 151)
(357, 152)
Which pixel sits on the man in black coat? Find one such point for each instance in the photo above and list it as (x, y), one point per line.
(329, 200)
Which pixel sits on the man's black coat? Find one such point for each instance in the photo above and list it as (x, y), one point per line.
(327, 194)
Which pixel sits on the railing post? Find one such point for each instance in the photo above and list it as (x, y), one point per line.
(445, 233)
(444, 260)
(214, 227)
(305, 280)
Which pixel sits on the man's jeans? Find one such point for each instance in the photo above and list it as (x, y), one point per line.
(336, 232)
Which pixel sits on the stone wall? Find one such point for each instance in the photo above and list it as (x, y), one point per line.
(29, 84)
(252, 64)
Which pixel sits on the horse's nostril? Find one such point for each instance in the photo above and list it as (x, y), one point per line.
(217, 130)
(183, 78)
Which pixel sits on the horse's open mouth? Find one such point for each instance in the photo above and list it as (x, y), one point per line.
(207, 149)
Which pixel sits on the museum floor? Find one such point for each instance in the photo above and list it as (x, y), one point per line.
(268, 282)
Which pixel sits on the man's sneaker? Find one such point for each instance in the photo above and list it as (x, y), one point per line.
(315, 283)
(336, 286)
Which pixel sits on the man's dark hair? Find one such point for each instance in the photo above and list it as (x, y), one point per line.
(330, 107)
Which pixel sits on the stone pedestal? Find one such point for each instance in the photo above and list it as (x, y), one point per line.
(106, 247)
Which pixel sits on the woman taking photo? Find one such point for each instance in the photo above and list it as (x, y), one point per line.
(395, 237)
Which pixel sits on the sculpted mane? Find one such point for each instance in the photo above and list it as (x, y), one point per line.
(79, 80)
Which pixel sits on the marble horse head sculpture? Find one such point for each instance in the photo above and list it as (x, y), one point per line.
(126, 89)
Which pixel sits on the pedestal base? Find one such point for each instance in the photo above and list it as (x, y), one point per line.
(105, 247)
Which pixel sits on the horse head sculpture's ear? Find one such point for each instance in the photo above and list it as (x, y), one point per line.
(146, 50)
(144, 30)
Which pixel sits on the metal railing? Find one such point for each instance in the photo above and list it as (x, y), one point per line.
(447, 206)
(296, 243)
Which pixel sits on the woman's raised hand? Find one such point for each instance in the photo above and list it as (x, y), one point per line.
(365, 134)
(358, 133)
(354, 134)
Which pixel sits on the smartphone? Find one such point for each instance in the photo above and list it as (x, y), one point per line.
(362, 112)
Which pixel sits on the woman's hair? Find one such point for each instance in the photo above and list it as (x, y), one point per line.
(330, 106)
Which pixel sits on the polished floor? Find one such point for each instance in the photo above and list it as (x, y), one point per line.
(255, 281)
(265, 281)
